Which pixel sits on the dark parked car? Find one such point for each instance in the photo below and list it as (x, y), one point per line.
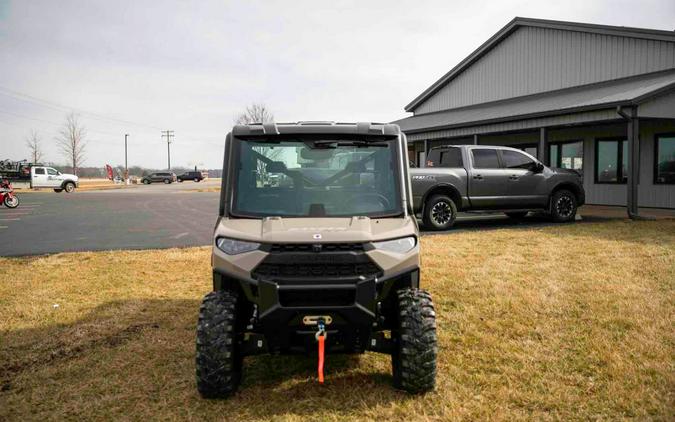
(162, 177)
(492, 178)
(197, 176)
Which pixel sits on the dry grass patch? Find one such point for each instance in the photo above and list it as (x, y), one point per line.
(564, 322)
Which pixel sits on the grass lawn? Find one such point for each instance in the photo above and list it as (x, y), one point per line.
(560, 322)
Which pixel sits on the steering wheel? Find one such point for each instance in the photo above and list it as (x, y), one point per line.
(370, 198)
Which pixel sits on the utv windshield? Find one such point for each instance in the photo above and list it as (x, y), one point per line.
(316, 178)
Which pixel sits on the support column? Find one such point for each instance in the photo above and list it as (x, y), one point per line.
(475, 139)
(426, 153)
(542, 148)
(633, 164)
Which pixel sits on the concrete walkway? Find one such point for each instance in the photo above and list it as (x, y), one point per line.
(610, 212)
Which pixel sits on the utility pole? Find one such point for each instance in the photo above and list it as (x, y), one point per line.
(168, 134)
(126, 163)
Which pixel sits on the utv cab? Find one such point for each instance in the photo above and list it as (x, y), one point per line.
(315, 251)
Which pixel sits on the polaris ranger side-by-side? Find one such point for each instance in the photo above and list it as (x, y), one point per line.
(316, 249)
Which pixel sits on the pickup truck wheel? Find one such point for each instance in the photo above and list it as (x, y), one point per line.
(146, 182)
(414, 358)
(440, 213)
(516, 215)
(69, 187)
(179, 180)
(196, 180)
(563, 206)
(167, 181)
(218, 361)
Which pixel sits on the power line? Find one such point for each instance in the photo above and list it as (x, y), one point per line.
(61, 107)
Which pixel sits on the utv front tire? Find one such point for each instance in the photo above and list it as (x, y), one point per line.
(218, 362)
(440, 213)
(414, 358)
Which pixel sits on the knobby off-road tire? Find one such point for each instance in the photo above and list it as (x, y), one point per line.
(440, 213)
(414, 359)
(218, 362)
(563, 206)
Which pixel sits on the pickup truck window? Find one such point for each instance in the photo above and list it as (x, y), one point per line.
(447, 158)
(485, 158)
(52, 172)
(39, 171)
(516, 160)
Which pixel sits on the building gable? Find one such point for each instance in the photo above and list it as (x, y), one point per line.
(532, 59)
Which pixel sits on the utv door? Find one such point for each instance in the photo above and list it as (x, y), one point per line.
(526, 186)
(488, 181)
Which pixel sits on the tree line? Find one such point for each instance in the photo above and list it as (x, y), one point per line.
(72, 143)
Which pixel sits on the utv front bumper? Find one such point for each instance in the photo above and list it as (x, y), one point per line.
(359, 311)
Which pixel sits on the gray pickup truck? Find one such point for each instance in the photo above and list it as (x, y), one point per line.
(491, 178)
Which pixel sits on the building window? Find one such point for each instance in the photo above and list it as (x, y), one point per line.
(567, 155)
(485, 158)
(528, 148)
(611, 158)
(664, 171)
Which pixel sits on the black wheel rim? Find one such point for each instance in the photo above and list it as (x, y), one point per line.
(564, 206)
(441, 213)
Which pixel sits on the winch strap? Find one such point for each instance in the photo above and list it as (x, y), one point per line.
(322, 339)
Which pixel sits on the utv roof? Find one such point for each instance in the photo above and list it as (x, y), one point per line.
(316, 127)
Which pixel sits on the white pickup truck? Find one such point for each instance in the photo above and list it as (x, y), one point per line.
(47, 177)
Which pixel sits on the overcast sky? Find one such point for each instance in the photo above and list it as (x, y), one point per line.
(138, 67)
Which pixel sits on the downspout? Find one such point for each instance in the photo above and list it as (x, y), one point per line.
(633, 146)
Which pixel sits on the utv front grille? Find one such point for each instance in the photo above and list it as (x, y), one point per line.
(322, 297)
(316, 263)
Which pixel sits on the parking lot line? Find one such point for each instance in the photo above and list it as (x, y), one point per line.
(10, 219)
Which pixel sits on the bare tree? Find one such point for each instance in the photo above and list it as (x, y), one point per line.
(259, 113)
(255, 113)
(33, 143)
(72, 141)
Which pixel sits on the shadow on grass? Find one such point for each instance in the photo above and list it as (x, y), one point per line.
(154, 341)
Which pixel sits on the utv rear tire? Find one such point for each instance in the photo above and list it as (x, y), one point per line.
(563, 206)
(440, 213)
(218, 362)
(414, 359)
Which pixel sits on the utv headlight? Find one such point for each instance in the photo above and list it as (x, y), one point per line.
(234, 247)
(402, 245)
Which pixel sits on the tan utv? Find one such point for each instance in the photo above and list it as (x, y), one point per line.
(316, 250)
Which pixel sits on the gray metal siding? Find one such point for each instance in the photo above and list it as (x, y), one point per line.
(533, 60)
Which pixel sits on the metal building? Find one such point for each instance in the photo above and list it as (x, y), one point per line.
(600, 99)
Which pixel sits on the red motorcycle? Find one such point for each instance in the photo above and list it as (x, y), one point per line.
(7, 195)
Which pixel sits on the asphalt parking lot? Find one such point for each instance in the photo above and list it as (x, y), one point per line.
(140, 217)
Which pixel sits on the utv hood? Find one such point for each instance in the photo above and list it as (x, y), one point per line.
(315, 230)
